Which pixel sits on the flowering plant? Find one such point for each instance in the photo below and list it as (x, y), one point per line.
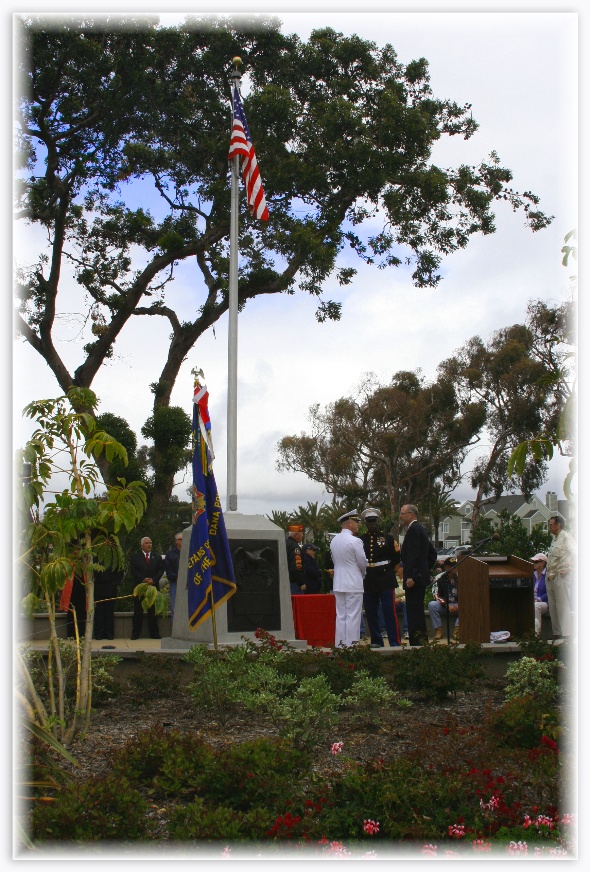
(371, 827)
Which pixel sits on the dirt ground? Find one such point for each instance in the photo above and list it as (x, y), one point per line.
(117, 722)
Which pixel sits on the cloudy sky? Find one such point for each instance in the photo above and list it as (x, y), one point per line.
(519, 72)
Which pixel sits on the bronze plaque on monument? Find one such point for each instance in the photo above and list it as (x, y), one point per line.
(256, 602)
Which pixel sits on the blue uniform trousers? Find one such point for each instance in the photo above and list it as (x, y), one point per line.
(385, 599)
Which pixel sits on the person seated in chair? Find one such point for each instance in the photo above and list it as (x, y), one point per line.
(447, 588)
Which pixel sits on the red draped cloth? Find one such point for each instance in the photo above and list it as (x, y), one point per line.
(314, 618)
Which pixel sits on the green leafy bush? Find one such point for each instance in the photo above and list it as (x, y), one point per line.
(169, 763)
(309, 714)
(438, 670)
(531, 677)
(369, 700)
(200, 821)
(218, 681)
(96, 809)
(522, 721)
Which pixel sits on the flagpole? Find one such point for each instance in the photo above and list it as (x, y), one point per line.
(213, 623)
(232, 339)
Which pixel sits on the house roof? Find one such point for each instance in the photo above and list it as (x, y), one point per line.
(511, 502)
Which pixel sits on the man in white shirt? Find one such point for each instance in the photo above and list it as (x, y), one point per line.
(350, 566)
(560, 567)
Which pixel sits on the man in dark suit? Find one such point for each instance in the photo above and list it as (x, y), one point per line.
(418, 555)
(145, 568)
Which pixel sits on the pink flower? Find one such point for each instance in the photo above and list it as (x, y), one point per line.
(457, 831)
(569, 820)
(481, 845)
(371, 827)
(492, 804)
(558, 852)
(338, 849)
(337, 748)
(226, 851)
(541, 821)
(430, 850)
(517, 848)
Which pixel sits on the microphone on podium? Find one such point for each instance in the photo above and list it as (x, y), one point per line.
(494, 538)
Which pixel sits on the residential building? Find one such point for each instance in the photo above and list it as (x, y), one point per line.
(456, 529)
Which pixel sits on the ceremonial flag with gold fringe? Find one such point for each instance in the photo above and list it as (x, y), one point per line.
(210, 570)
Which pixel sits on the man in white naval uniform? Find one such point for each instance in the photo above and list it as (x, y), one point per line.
(350, 566)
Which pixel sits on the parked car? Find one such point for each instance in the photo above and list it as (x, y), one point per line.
(461, 550)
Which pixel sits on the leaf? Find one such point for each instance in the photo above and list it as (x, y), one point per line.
(517, 460)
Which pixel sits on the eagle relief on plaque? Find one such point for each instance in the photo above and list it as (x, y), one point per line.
(256, 602)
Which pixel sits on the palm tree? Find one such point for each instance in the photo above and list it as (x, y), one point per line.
(440, 504)
(312, 518)
(281, 519)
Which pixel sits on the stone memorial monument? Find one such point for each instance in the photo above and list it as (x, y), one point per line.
(262, 598)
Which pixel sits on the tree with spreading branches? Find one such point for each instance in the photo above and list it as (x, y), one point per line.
(113, 112)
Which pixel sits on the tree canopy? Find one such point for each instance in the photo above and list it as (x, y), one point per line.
(515, 386)
(406, 441)
(343, 134)
(389, 444)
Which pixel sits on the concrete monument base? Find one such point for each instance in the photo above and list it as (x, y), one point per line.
(263, 595)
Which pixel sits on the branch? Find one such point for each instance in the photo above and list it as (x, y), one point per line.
(160, 310)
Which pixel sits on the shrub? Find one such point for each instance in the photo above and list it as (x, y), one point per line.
(370, 699)
(522, 721)
(96, 809)
(200, 821)
(261, 772)
(437, 670)
(531, 677)
(309, 714)
(167, 762)
(218, 685)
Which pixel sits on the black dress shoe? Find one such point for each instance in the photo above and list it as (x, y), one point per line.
(134, 636)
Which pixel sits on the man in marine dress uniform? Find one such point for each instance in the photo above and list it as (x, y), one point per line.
(295, 558)
(383, 554)
(350, 565)
(418, 555)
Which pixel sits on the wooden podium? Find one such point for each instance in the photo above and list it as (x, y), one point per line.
(495, 593)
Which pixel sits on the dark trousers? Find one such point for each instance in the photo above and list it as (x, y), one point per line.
(138, 619)
(104, 620)
(415, 613)
(385, 599)
(78, 604)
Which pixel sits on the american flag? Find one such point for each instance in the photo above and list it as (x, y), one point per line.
(241, 144)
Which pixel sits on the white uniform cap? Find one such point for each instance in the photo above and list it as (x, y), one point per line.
(354, 515)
